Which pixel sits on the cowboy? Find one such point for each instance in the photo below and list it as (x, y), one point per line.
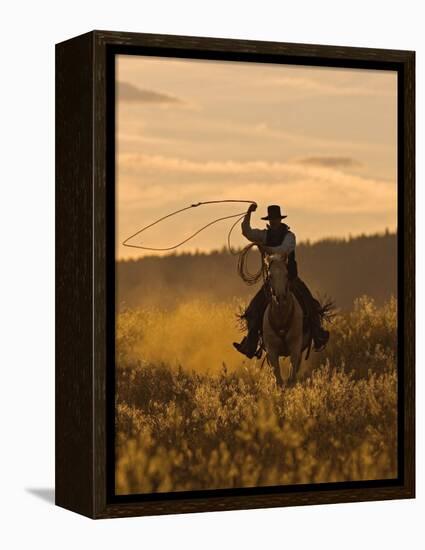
(277, 238)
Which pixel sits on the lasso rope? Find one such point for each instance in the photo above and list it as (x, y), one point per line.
(247, 277)
(240, 215)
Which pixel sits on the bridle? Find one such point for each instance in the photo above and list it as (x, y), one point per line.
(274, 299)
(267, 280)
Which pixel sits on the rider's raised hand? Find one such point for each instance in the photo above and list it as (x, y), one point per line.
(252, 207)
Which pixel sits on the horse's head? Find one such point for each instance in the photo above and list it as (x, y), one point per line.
(277, 274)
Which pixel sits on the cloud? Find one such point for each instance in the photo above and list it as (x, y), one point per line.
(129, 93)
(126, 140)
(330, 162)
(137, 161)
(132, 162)
(201, 134)
(309, 187)
(301, 87)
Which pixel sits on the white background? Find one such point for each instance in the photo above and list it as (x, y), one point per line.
(29, 31)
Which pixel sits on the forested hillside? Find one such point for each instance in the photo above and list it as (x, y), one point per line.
(342, 269)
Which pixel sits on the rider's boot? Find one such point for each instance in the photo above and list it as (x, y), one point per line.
(248, 345)
(320, 337)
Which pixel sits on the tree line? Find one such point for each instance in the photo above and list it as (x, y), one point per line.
(342, 269)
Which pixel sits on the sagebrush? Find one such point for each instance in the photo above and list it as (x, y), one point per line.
(191, 414)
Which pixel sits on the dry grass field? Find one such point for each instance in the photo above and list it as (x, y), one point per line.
(192, 414)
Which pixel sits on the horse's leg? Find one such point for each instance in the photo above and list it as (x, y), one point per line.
(295, 340)
(295, 362)
(286, 370)
(272, 344)
(295, 354)
(273, 359)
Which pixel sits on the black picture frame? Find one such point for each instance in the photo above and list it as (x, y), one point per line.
(85, 272)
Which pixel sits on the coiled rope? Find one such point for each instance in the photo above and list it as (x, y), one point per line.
(247, 277)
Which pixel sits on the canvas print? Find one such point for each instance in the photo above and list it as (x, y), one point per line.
(256, 275)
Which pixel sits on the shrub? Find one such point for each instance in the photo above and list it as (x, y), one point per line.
(221, 427)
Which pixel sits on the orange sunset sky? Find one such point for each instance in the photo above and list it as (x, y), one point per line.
(320, 142)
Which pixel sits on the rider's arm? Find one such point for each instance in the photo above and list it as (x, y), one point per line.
(253, 235)
(287, 245)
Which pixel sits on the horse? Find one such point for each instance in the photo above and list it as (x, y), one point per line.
(283, 330)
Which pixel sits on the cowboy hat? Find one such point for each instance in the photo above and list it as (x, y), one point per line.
(273, 213)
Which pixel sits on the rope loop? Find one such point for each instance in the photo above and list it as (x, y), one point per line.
(246, 276)
(240, 215)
